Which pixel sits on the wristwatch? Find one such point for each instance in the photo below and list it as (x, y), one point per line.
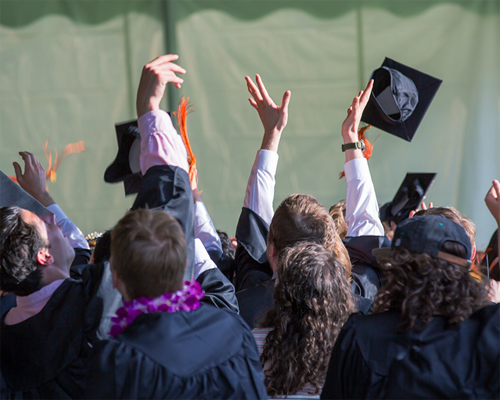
(356, 145)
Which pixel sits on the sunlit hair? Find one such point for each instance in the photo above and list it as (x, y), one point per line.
(148, 252)
(457, 217)
(337, 212)
(419, 287)
(19, 246)
(301, 218)
(312, 300)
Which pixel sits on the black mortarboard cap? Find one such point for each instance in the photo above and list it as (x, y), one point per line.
(11, 194)
(126, 166)
(408, 197)
(400, 98)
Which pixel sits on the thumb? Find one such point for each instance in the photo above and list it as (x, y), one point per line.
(18, 171)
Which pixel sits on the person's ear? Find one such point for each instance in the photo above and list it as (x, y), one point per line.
(272, 255)
(119, 285)
(116, 280)
(43, 257)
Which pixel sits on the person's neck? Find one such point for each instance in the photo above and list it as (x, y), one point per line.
(53, 273)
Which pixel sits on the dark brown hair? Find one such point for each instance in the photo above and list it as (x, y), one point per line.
(301, 218)
(312, 300)
(148, 252)
(19, 246)
(420, 287)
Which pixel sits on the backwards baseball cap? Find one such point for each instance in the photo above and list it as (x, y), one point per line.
(400, 98)
(426, 234)
(408, 197)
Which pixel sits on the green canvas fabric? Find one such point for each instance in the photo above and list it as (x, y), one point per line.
(69, 71)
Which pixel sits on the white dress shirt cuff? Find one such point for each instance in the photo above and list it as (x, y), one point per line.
(259, 193)
(202, 261)
(205, 229)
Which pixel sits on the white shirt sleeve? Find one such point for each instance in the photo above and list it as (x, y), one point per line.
(204, 228)
(259, 194)
(202, 261)
(69, 229)
(361, 202)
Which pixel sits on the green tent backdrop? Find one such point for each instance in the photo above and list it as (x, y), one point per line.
(69, 71)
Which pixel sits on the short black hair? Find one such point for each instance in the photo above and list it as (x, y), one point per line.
(102, 250)
(19, 246)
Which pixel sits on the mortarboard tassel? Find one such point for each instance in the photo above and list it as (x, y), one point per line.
(182, 111)
(50, 173)
(367, 152)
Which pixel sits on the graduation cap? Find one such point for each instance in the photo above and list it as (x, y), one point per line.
(126, 166)
(11, 194)
(400, 98)
(408, 197)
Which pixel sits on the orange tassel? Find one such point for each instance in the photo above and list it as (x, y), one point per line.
(182, 111)
(50, 173)
(71, 148)
(367, 152)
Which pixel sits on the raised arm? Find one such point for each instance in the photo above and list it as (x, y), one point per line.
(203, 226)
(33, 181)
(361, 202)
(492, 201)
(160, 143)
(259, 193)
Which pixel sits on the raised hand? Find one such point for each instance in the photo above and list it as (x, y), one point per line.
(422, 207)
(33, 180)
(154, 78)
(354, 113)
(492, 200)
(274, 118)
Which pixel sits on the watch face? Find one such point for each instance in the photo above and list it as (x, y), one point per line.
(363, 147)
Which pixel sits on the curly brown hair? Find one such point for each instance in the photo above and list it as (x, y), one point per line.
(312, 300)
(419, 286)
(301, 218)
(337, 212)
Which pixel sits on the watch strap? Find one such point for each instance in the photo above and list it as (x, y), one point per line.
(355, 145)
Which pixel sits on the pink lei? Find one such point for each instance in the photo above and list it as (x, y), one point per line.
(186, 299)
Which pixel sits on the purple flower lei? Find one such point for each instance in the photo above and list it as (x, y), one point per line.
(186, 299)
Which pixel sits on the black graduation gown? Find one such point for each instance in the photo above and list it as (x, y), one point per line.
(46, 356)
(370, 360)
(218, 290)
(168, 188)
(367, 278)
(252, 266)
(207, 353)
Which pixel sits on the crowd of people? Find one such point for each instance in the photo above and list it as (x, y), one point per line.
(303, 303)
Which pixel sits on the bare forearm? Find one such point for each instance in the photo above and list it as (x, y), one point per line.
(45, 199)
(271, 140)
